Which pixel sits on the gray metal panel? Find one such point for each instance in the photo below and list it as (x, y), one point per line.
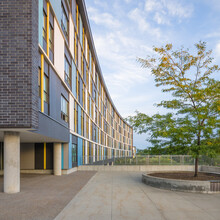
(51, 128)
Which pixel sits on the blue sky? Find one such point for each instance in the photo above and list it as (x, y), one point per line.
(126, 29)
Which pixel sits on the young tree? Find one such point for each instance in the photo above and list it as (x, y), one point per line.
(196, 99)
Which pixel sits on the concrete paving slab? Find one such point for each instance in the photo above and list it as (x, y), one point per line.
(122, 195)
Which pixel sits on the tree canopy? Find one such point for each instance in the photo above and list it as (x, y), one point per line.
(193, 124)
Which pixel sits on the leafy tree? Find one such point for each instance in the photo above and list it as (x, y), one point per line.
(196, 101)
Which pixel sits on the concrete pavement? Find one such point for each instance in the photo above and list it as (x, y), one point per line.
(42, 197)
(122, 195)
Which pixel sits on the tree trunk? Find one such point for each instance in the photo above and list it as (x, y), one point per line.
(196, 167)
(197, 157)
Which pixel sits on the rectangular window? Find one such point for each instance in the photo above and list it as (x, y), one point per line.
(45, 30)
(74, 11)
(39, 82)
(76, 117)
(51, 37)
(67, 70)
(96, 116)
(65, 22)
(74, 155)
(46, 89)
(45, 26)
(64, 109)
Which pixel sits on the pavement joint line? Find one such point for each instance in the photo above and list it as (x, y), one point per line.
(160, 211)
(75, 196)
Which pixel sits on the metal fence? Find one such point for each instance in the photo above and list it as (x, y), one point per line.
(150, 160)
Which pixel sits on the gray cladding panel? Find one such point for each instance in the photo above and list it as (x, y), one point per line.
(50, 128)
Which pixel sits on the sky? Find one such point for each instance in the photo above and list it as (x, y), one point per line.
(124, 30)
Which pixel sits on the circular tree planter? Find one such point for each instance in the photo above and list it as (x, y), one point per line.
(207, 186)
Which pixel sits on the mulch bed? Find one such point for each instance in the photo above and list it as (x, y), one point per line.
(187, 176)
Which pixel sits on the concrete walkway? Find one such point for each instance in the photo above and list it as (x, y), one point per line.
(122, 195)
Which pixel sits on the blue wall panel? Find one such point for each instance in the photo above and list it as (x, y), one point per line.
(79, 151)
(73, 78)
(70, 152)
(56, 5)
(79, 120)
(40, 22)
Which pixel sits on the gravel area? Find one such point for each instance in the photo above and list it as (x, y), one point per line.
(41, 196)
(187, 176)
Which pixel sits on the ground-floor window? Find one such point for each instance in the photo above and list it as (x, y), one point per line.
(74, 155)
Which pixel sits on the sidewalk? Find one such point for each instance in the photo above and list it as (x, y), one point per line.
(42, 197)
(122, 195)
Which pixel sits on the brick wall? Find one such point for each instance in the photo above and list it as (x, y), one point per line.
(19, 64)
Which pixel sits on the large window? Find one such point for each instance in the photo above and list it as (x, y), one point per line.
(67, 71)
(45, 26)
(74, 155)
(65, 22)
(39, 82)
(51, 38)
(76, 117)
(64, 109)
(46, 89)
(45, 31)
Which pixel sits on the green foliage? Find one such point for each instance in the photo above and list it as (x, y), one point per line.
(194, 128)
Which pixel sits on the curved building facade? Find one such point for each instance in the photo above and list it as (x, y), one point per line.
(54, 101)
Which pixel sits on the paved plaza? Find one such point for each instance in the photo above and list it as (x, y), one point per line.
(42, 197)
(103, 195)
(122, 195)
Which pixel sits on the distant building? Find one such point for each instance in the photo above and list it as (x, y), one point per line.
(55, 110)
(134, 151)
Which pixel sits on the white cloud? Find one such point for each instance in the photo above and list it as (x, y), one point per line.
(104, 19)
(119, 53)
(139, 17)
(213, 34)
(128, 1)
(151, 5)
(217, 52)
(160, 18)
(165, 10)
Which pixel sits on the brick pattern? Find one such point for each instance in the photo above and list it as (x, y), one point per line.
(19, 64)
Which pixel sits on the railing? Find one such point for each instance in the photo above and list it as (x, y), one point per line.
(149, 160)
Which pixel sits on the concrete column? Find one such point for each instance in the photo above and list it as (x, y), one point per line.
(57, 159)
(11, 162)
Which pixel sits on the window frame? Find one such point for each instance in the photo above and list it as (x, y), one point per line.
(64, 115)
(68, 77)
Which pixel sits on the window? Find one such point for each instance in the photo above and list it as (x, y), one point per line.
(76, 117)
(51, 38)
(39, 82)
(46, 89)
(65, 22)
(45, 26)
(67, 70)
(74, 155)
(96, 116)
(64, 109)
